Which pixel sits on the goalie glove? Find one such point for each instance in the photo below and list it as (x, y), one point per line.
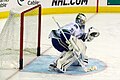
(92, 33)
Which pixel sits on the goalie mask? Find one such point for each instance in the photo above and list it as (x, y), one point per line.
(80, 19)
(92, 33)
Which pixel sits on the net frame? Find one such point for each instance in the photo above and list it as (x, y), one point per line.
(22, 11)
(22, 33)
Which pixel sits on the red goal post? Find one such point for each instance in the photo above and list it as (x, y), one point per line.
(22, 30)
(20, 37)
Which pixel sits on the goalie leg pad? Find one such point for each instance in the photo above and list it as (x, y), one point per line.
(84, 60)
(65, 61)
(68, 59)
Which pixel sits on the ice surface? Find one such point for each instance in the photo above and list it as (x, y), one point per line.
(105, 47)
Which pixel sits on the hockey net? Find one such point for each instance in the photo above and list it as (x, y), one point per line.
(20, 37)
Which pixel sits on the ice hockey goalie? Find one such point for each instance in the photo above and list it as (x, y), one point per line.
(70, 42)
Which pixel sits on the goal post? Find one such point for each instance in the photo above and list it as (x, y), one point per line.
(22, 32)
(20, 37)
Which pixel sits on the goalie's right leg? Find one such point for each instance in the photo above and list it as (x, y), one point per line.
(65, 61)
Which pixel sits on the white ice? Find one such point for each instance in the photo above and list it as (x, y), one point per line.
(105, 47)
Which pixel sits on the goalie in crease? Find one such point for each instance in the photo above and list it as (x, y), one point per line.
(76, 36)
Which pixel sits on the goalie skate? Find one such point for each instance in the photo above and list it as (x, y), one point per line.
(52, 67)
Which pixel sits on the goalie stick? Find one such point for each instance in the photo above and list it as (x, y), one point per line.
(74, 52)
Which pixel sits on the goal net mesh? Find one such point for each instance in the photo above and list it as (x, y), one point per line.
(10, 38)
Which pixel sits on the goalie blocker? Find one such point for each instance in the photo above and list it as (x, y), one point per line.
(67, 57)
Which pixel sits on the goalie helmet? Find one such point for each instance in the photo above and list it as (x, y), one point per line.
(80, 19)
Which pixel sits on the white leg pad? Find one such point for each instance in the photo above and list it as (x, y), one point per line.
(67, 58)
(64, 62)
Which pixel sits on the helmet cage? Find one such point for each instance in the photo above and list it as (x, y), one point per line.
(80, 19)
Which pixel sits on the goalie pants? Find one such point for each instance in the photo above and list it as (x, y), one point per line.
(60, 44)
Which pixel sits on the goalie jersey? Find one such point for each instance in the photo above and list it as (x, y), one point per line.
(72, 29)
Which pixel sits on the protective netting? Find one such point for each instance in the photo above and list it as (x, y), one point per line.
(10, 38)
